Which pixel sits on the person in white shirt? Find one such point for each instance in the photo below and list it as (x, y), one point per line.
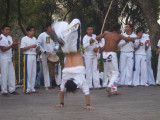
(47, 48)
(29, 47)
(140, 76)
(158, 67)
(126, 57)
(151, 80)
(7, 69)
(89, 44)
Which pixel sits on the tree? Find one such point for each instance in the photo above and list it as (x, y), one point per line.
(151, 19)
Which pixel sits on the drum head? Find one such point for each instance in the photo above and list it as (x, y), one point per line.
(53, 58)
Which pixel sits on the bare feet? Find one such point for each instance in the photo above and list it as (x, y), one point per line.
(59, 106)
(109, 91)
(88, 107)
(116, 93)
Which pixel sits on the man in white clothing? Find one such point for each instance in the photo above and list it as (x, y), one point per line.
(158, 67)
(140, 74)
(89, 44)
(29, 47)
(151, 80)
(47, 48)
(127, 57)
(6, 65)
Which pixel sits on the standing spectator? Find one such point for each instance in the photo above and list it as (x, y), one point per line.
(47, 48)
(126, 57)
(29, 47)
(151, 80)
(7, 69)
(140, 74)
(158, 67)
(89, 44)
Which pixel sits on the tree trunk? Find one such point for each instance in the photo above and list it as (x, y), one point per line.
(153, 26)
(7, 11)
(19, 18)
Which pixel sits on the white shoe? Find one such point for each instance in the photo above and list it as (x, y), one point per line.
(146, 85)
(46, 88)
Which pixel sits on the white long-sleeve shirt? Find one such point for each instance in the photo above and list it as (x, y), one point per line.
(128, 46)
(46, 44)
(89, 48)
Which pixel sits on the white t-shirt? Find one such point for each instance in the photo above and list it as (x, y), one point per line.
(128, 46)
(46, 44)
(26, 41)
(89, 48)
(141, 50)
(6, 41)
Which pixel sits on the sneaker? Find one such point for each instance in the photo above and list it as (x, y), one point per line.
(146, 85)
(35, 91)
(14, 93)
(46, 88)
(28, 93)
(130, 86)
(5, 94)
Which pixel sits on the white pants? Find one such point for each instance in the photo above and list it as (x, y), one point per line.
(92, 73)
(106, 74)
(46, 72)
(112, 71)
(126, 68)
(158, 71)
(140, 74)
(151, 80)
(8, 75)
(29, 72)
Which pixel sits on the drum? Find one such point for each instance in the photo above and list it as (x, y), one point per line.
(53, 59)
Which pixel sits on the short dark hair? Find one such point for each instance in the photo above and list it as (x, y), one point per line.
(4, 26)
(130, 25)
(29, 28)
(70, 86)
(116, 27)
(140, 29)
(48, 24)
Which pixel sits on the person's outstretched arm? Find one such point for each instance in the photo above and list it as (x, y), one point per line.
(128, 38)
(61, 100)
(88, 106)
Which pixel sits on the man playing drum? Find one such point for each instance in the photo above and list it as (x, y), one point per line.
(47, 47)
(73, 74)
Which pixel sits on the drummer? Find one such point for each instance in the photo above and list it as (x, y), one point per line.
(29, 47)
(73, 74)
(47, 47)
